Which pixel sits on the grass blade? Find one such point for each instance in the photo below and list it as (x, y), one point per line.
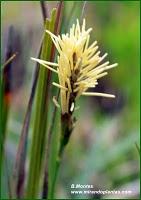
(46, 175)
(19, 169)
(40, 123)
(44, 10)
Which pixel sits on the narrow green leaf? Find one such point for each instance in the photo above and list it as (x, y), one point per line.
(51, 121)
(39, 137)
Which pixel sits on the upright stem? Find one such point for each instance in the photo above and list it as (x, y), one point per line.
(66, 130)
(46, 182)
(39, 131)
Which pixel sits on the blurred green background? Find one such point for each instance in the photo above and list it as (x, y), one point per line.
(102, 147)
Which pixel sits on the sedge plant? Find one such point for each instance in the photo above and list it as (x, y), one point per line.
(79, 66)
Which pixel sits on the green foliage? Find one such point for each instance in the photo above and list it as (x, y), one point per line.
(94, 151)
(39, 137)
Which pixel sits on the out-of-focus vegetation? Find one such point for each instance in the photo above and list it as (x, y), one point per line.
(102, 148)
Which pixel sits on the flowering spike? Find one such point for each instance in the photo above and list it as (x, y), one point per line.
(78, 65)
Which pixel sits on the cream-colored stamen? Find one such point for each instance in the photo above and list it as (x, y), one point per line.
(59, 86)
(98, 94)
(42, 63)
(55, 102)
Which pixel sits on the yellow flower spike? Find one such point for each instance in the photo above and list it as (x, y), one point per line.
(78, 65)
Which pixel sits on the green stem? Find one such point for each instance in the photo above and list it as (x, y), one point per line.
(66, 130)
(39, 131)
(58, 162)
